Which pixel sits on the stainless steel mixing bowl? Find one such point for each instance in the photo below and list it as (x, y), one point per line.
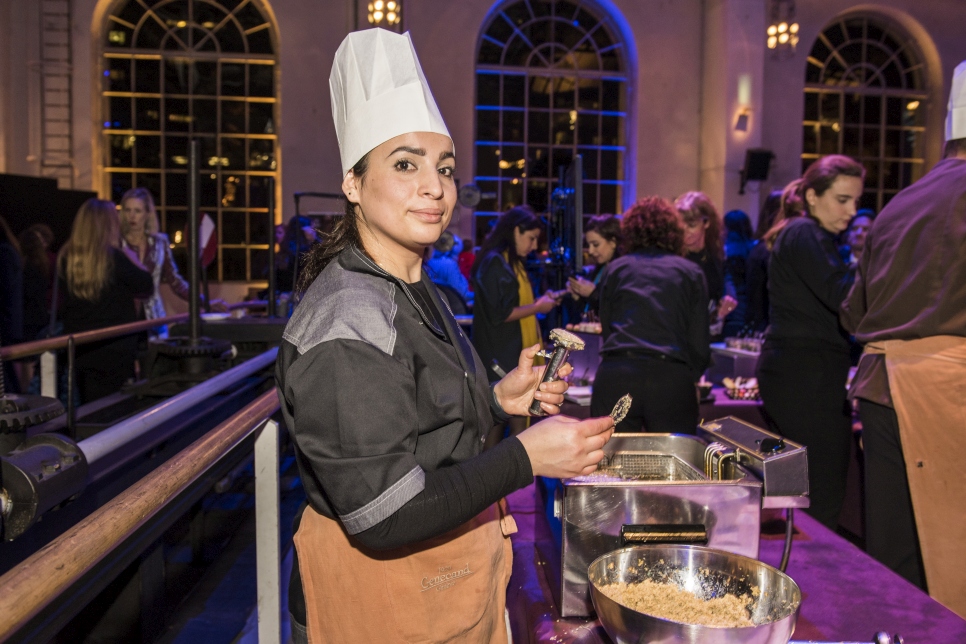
(706, 572)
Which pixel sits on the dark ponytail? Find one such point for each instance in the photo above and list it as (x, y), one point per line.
(345, 234)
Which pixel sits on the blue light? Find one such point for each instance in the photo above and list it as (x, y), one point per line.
(576, 24)
(107, 72)
(117, 124)
(107, 124)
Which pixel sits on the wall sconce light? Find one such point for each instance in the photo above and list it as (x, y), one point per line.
(741, 125)
(385, 13)
(782, 33)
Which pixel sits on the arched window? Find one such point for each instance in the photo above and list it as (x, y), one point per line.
(865, 96)
(180, 69)
(551, 82)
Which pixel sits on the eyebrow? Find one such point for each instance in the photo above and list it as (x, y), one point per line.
(421, 152)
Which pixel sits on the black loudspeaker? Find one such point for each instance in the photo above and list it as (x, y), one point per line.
(757, 164)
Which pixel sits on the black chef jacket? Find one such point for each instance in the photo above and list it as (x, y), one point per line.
(654, 302)
(375, 392)
(807, 282)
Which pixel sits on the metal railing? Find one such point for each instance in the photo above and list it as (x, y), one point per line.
(37, 582)
(47, 347)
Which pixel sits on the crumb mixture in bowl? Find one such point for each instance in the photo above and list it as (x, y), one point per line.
(667, 601)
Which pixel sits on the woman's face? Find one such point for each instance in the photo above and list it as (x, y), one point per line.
(694, 233)
(837, 205)
(407, 195)
(858, 231)
(134, 214)
(526, 241)
(600, 249)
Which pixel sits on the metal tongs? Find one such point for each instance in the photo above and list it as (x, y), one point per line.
(564, 343)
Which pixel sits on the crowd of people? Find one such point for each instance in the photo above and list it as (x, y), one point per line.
(108, 272)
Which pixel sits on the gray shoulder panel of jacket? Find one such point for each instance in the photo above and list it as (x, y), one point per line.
(344, 305)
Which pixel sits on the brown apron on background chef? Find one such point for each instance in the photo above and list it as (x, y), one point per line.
(927, 378)
(448, 589)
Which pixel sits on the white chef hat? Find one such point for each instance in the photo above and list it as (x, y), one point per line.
(956, 115)
(378, 92)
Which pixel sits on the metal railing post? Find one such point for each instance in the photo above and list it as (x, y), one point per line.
(267, 548)
(48, 374)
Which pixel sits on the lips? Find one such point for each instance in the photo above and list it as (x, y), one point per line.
(429, 215)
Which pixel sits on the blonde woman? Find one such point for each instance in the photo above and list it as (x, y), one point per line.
(139, 232)
(100, 281)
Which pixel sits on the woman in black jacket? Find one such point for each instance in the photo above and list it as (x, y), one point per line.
(101, 281)
(504, 311)
(804, 362)
(654, 318)
(603, 237)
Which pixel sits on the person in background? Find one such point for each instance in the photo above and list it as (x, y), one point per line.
(704, 245)
(465, 257)
(101, 279)
(504, 312)
(654, 319)
(856, 234)
(444, 271)
(804, 362)
(37, 280)
(756, 315)
(908, 306)
(140, 233)
(738, 246)
(298, 239)
(11, 299)
(603, 237)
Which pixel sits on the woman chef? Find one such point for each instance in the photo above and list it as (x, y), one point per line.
(403, 538)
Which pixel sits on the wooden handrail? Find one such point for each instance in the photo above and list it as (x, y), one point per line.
(37, 581)
(36, 347)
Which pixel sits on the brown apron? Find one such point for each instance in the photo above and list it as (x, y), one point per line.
(448, 589)
(927, 378)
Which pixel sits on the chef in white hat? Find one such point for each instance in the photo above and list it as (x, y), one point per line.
(908, 306)
(404, 537)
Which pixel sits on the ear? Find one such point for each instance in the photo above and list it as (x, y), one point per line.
(810, 196)
(350, 187)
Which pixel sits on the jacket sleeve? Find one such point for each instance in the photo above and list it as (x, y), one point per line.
(854, 306)
(355, 424)
(699, 332)
(818, 264)
(497, 290)
(169, 270)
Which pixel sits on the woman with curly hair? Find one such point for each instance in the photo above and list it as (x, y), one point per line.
(654, 314)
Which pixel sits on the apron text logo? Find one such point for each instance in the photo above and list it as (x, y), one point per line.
(445, 579)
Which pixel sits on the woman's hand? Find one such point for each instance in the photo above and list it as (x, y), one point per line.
(219, 305)
(726, 306)
(519, 387)
(580, 287)
(563, 447)
(546, 302)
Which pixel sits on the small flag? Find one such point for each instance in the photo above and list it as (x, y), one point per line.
(207, 241)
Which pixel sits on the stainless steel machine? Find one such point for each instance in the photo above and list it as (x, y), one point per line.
(707, 489)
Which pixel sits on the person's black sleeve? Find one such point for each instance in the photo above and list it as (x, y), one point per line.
(758, 287)
(136, 281)
(452, 496)
(496, 290)
(854, 307)
(816, 260)
(699, 334)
